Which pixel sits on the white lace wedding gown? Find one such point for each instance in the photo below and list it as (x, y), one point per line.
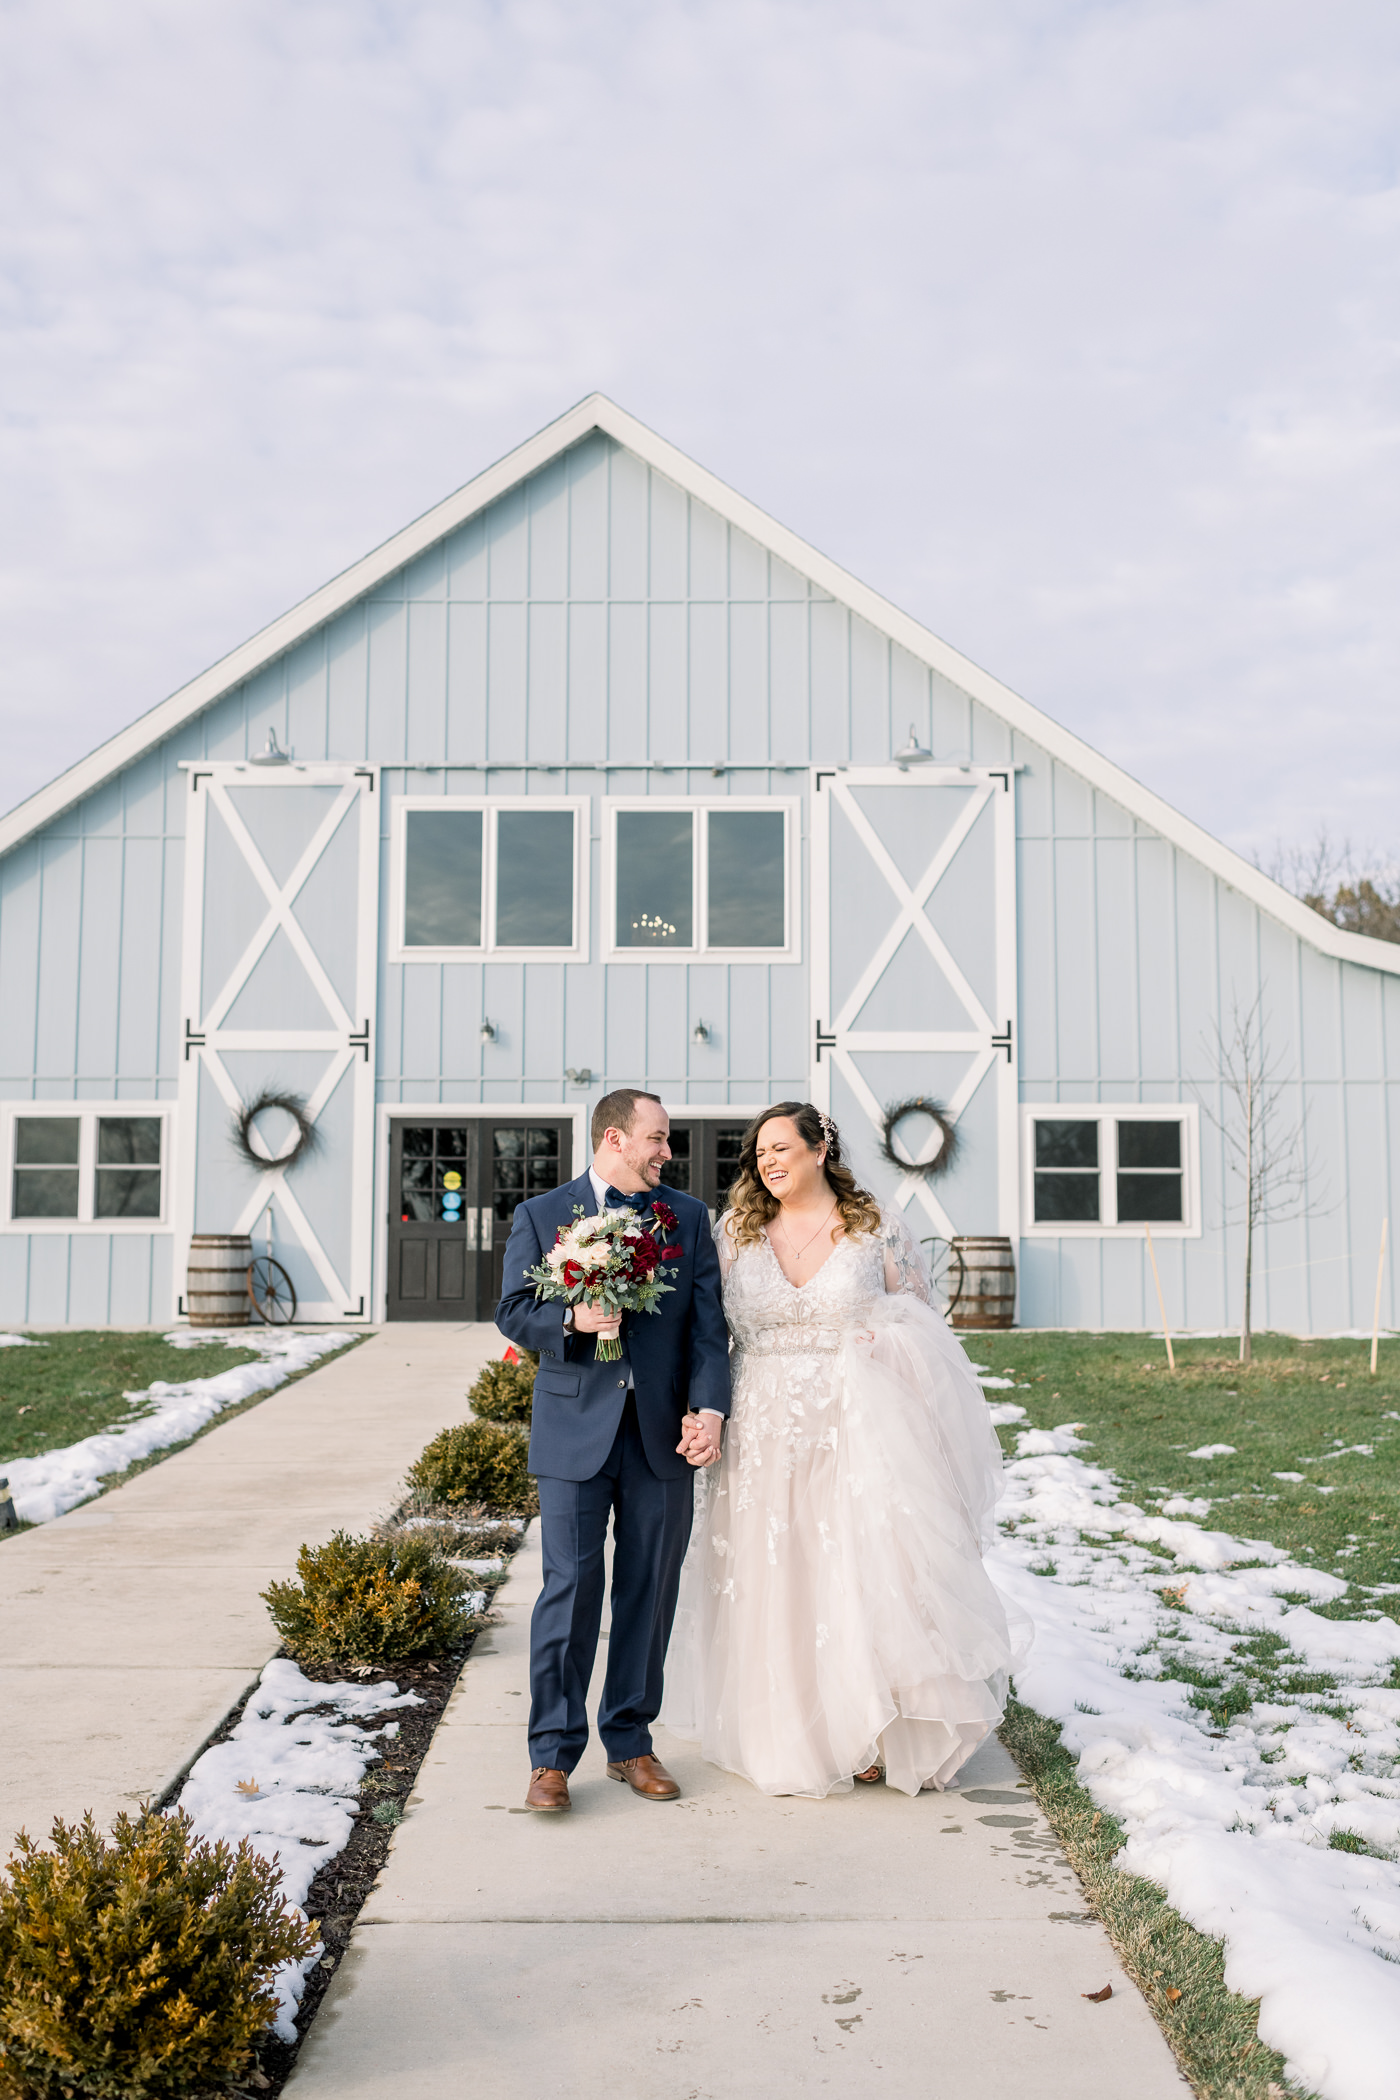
(834, 1607)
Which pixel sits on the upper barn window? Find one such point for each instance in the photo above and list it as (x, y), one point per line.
(503, 877)
(86, 1166)
(713, 878)
(1111, 1169)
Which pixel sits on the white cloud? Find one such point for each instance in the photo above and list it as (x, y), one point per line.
(1071, 327)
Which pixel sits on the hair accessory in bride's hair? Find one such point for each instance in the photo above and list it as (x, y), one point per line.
(828, 1127)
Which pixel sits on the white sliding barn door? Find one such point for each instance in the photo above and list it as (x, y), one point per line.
(278, 981)
(914, 977)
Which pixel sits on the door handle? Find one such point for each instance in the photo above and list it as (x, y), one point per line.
(486, 1219)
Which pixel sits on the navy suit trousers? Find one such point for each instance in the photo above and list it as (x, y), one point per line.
(651, 1530)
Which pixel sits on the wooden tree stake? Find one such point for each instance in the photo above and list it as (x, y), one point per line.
(1161, 1301)
(1380, 1279)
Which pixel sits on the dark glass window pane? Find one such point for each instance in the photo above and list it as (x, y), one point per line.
(418, 1141)
(535, 878)
(128, 1141)
(46, 1192)
(1148, 1198)
(451, 1141)
(508, 1143)
(442, 879)
(675, 1174)
(127, 1192)
(1070, 1199)
(543, 1144)
(1151, 1144)
(417, 1174)
(746, 878)
(729, 1139)
(1067, 1144)
(655, 907)
(46, 1141)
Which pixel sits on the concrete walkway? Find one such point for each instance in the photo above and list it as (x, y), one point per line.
(130, 1627)
(725, 1947)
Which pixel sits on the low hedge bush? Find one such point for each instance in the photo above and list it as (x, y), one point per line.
(482, 1464)
(139, 1966)
(502, 1392)
(361, 1603)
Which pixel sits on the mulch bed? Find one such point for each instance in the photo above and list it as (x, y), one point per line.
(343, 1883)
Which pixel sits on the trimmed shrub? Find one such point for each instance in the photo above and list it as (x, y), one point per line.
(138, 1966)
(361, 1603)
(502, 1392)
(484, 1464)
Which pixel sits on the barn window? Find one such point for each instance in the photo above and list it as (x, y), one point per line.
(87, 1166)
(702, 878)
(1103, 1169)
(491, 875)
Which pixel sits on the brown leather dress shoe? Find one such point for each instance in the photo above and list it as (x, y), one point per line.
(646, 1776)
(548, 1789)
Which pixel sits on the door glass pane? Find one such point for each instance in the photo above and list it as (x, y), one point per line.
(432, 1174)
(655, 906)
(746, 878)
(442, 878)
(1070, 1199)
(128, 1141)
(675, 1174)
(46, 1141)
(1154, 1144)
(1149, 1199)
(127, 1192)
(729, 1139)
(525, 1161)
(46, 1192)
(535, 878)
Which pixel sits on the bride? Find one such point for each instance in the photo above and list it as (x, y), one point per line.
(835, 1619)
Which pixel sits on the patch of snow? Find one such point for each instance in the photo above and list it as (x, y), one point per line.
(1186, 1506)
(308, 1768)
(20, 1341)
(1213, 1451)
(1005, 1413)
(1007, 1382)
(1215, 1817)
(45, 1487)
(1290, 1476)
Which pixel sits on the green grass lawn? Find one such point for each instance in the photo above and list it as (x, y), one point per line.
(1298, 1401)
(73, 1386)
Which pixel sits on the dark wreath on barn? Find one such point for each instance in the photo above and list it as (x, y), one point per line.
(305, 1136)
(910, 1124)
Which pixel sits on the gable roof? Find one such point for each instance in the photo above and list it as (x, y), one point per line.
(597, 412)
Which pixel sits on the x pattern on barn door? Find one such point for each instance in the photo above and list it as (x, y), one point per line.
(280, 948)
(914, 974)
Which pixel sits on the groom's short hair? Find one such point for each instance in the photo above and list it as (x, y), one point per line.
(618, 1110)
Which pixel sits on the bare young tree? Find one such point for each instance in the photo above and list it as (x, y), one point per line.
(1357, 891)
(1264, 1150)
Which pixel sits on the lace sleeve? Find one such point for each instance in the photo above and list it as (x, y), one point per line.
(905, 1267)
(724, 1243)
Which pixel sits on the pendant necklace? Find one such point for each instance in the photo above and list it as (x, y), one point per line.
(797, 1254)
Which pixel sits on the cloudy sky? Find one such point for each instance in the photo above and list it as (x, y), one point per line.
(1070, 325)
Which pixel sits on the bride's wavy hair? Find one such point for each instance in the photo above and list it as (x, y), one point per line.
(754, 1206)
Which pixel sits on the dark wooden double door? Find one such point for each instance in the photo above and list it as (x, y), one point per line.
(453, 1187)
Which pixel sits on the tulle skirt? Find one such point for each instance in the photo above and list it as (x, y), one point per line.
(834, 1610)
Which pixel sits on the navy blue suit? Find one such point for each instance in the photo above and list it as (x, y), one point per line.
(599, 1450)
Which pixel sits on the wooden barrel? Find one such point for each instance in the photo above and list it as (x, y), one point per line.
(988, 1294)
(216, 1291)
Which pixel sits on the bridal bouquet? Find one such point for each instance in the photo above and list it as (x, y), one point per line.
(612, 1260)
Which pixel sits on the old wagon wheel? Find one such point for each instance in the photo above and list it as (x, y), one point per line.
(270, 1288)
(946, 1268)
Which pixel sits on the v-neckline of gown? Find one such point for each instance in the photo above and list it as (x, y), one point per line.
(815, 1273)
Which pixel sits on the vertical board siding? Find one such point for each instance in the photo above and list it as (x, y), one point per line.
(598, 613)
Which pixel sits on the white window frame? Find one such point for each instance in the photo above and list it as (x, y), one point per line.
(699, 806)
(491, 806)
(1106, 1226)
(85, 1114)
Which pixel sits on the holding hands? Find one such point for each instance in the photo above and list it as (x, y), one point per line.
(700, 1437)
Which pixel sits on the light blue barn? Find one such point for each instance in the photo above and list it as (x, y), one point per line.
(593, 775)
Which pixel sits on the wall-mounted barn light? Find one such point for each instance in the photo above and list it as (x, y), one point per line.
(913, 753)
(699, 1033)
(487, 1031)
(272, 753)
(582, 1077)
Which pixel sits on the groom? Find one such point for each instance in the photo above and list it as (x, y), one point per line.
(604, 1442)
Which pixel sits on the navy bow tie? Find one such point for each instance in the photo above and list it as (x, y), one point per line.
(615, 1200)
